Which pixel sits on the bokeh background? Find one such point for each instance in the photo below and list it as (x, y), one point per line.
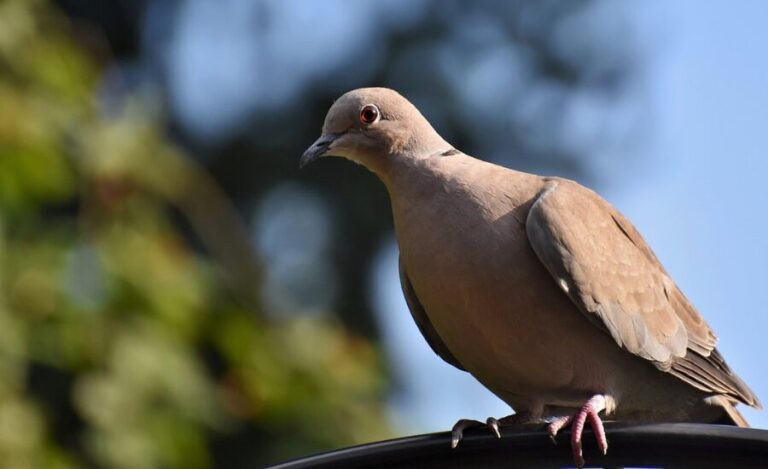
(175, 293)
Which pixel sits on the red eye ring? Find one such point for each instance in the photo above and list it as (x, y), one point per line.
(369, 114)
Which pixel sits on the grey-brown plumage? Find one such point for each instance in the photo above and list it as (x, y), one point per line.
(536, 286)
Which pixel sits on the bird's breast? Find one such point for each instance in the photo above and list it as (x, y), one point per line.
(490, 299)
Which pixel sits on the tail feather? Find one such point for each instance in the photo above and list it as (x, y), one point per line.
(730, 415)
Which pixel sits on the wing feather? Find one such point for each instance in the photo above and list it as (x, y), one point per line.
(423, 322)
(603, 264)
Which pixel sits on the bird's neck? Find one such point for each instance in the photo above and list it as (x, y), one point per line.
(418, 180)
(457, 178)
(413, 170)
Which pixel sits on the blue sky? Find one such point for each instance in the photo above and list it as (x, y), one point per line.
(697, 193)
(703, 208)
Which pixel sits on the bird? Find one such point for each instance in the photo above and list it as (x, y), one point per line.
(535, 285)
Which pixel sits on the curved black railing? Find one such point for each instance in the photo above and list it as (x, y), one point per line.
(668, 445)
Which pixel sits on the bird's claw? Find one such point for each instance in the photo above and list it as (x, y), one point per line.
(493, 424)
(588, 412)
(555, 425)
(457, 433)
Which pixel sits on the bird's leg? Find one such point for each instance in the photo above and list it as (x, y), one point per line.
(589, 411)
(493, 424)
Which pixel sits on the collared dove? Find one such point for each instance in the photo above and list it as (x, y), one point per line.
(535, 285)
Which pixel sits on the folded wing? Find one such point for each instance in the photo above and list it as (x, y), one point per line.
(603, 264)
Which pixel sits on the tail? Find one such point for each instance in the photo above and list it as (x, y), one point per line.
(730, 415)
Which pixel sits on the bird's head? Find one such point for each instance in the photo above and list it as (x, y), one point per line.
(373, 126)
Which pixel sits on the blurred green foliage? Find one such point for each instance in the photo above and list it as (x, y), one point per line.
(129, 336)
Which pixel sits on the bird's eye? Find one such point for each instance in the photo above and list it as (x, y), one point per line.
(369, 114)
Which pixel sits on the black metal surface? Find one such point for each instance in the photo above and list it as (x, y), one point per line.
(669, 445)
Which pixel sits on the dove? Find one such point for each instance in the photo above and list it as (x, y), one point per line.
(536, 286)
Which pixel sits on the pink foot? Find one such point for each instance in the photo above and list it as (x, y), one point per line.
(590, 411)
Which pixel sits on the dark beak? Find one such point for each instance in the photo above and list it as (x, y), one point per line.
(317, 149)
